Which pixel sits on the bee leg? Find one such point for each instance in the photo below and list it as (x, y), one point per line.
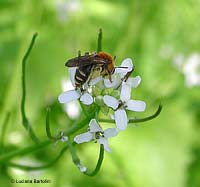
(110, 78)
(127, 76)
(82, 90)
(109, 75)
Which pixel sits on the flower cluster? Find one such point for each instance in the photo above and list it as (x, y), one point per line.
(118, 103)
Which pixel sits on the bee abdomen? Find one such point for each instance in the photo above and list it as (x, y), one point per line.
(82, 75)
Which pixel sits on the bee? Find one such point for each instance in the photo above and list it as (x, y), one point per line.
(90, 66)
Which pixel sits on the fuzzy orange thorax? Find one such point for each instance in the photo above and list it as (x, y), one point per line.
(107, 56)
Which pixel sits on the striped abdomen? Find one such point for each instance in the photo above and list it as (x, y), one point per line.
(82, 75)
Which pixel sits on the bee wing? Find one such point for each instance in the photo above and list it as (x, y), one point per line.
(85, 61)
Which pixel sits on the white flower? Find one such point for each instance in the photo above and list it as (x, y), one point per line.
(191, 70)
(125, 67)
(96, 133)
(119, 106)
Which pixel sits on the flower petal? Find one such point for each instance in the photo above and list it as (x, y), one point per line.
(121, 119)
(116, 81)
(68, 96)
(72, 72)
(109, 84)
(127, 63)
(125, 92)
(136, 105)
(134, 82)
(95, 81)
(94, 126)
(111, 101)
(110, 132)
(86, 99)
(104, 142)
(67, 85)
(84, 137)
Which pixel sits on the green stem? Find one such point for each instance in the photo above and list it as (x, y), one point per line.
(136, 120)
(77, 161)
(147, 118)
(99, 163)
(4, 126)
(24, 151)
(78, 125)
(72, 150)
(99, 41)
(25, 121)
(32, 168)
(48, 130)
(74, 128)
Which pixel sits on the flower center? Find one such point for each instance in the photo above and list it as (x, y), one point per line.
(98, 135)
(121, 105)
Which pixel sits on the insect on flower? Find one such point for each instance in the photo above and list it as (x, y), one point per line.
(91, 66)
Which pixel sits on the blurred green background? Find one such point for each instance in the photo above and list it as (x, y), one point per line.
(160, 36)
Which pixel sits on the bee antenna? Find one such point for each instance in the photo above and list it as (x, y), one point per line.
(114, 58)
(120, 67)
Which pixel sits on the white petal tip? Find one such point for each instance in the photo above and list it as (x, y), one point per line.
(94, 126)
(121, 119)
(127, 63)
(136, 105)
(125, 94)
(110, 101)
(84, 137)
(68, 96)
(110, 132)
(135, 81)
(86, 99)
(104, 142)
